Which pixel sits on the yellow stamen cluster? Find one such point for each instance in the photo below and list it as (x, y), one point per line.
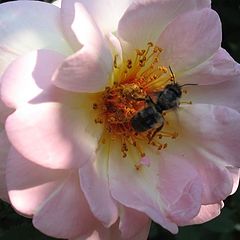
(134, 81)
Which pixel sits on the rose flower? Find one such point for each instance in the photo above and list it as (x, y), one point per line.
(117, 112)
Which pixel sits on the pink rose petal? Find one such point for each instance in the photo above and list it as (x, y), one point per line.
(78, 26)
(206, 213)
(66, 213)
(145, 20)
(88, 70)
(106, 13)
(212, 130)
(225, 93)
(235, 173)
(190, 39)
(166, 191)
(179, 187)
(29, 184)
(52, 135)
(95, 185)
(219, 68)
(131, 228)
(102, 233)
(215, 178)
(134, 224)
(34, 82)
(34, 31)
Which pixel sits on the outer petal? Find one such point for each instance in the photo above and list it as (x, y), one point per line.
(66, 213)
(52, 135)
(134, 224)
(29, 184)
(78, 26)
(190, 39)
(34, 31)
(235, 172)
(219, 68)
(212, 130)
(216, 180)
(106, 12)
(28, 76)
(94, 184)
(167, 191)
(225, 93)
(145, 20)
(181, 189)
(89, 69)
(113, 232)
(4, 149)
(206, 213)
(102, 233)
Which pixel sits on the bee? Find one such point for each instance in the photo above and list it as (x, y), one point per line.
(151, 117)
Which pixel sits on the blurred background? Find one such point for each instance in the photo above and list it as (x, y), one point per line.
(225, 227)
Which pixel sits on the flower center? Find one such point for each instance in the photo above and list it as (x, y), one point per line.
(131, 109)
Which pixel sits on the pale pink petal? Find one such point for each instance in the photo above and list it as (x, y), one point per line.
(213, 131)
(52, 135)
(235, 172)
(94, 184)
(34, 31)
(219, 68)
(225, 93)
(88, 70)
(215, 178)
(168, 190)
(179, 187)
(78, 26)
(116, 49)
(113, 233)
(190, 39)
(66, 213)
(28, 76)
(106, 12)
(4, 150)
(206, 213)
(144, 20)
(29, 184)
(134, 224)
(102, 233)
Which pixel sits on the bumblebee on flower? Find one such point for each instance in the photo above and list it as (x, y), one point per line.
(77, 95)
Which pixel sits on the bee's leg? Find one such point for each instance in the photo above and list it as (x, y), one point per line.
(149, 101)
(154, 133)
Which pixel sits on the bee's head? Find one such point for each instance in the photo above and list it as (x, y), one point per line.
(176, 88)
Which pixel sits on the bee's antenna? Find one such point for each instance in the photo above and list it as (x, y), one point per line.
(188, 84)
(172, 74)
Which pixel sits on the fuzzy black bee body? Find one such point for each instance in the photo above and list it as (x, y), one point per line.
(151, 117)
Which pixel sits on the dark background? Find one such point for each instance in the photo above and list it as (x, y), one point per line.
(225, 227)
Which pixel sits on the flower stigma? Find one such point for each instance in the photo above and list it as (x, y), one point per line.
(134, 81)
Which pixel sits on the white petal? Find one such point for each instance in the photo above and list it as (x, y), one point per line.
(27, 26)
